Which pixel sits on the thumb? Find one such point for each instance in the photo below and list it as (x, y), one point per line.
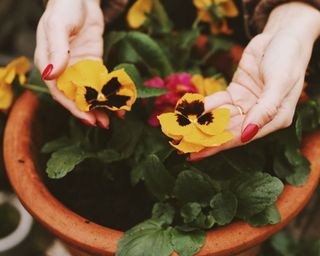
(260, 114)
(58, 50)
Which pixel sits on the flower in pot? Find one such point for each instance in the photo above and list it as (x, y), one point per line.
(126, 190)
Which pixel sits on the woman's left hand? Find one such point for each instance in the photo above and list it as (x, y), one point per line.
(269, 80)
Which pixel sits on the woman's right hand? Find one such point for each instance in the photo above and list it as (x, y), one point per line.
(70, 31)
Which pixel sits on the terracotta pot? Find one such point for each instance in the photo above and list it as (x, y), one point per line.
(21, 161)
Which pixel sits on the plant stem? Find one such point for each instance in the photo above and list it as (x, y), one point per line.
(36, 88)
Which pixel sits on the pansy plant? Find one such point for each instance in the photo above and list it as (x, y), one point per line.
(91, 86)
(191, 128)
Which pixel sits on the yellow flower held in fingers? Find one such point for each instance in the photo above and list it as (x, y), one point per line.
(193, 129)
(91, 86)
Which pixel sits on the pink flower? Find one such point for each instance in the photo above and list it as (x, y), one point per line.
(177, 84)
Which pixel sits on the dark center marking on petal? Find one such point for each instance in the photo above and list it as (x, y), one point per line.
(91, 94)
(182, 120)
(206, 119)
(112, 101)
(193, 108)
(111, 87)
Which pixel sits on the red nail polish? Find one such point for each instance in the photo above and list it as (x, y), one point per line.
(102, 125)
(46, 72)
(249, 132)
(87, 122)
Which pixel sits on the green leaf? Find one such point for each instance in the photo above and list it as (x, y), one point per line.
(281, 167)
(284, 244)
(76, 133)
(299, 175)
(125, 137)
(204, 221)
(64, 161)
(163, 212)
(270, 215)
(111, 39)
(187, 243)
(55, 145)
(255, 192)
(137, 173)
(194, 186)
(150, 53)
(108, 156)
(148, 238)
(142, 90)
(158, 179)
(219, 44)
(224, 207)
(190, 211)
(161, 16)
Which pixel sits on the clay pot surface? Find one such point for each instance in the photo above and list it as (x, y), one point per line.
(20, 154)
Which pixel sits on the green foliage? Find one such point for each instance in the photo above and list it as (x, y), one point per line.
(187, 243)
(255, 192)
(224, 207)
(158, 179)
(192, 186)
(142, 90)
(64, 161)
(151, 53)
(148, 238)
(270, 215)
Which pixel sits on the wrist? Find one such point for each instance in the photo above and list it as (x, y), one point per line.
(297, 19)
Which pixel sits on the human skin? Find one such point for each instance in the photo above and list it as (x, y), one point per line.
(69, 31)
(266, 86)
(270, 76)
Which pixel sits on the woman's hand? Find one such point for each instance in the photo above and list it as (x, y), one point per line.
(269, 80)
(67, 32)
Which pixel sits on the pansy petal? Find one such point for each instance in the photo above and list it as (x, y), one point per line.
(137, 13)
(202, 4)
(80, 98)
(217, 140)
(214, 122)
(213, 85)
(190, 104)
(198, 82)
(89, 73)
(229, 9)
(187, 147)
(65, 84)
(6, 96)
(169, 125)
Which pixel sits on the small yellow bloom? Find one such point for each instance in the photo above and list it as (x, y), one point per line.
(91, 86)
(214, 12)
(18, 67)
(137, 14)
(193, 129)
(208, 86)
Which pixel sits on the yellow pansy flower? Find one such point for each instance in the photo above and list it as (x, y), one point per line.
(193, 129)
(18, 67)
(137, 13)
(91, 86)
(214, 12)
(208, 86)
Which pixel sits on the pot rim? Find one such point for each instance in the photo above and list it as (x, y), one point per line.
(93, 238)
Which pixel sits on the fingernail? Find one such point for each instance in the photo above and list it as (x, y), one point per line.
(87, 122)
(46, 72)
(102, 125)
(249, 132)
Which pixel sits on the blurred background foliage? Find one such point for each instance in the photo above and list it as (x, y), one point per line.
(18, 23)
